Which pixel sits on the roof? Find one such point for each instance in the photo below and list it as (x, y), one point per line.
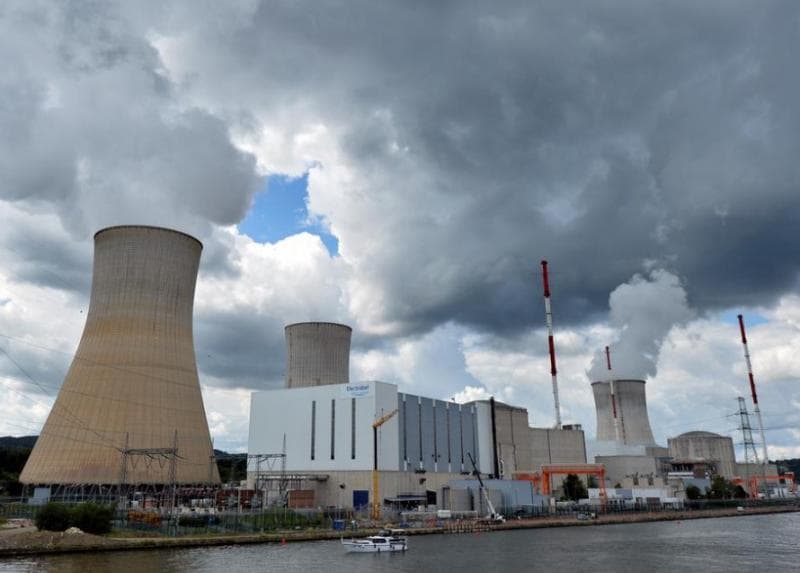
(700, 434)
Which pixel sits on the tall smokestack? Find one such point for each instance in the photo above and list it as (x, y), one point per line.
(317, 354)
(133, 382)
(753, 390)
(550, 343)
(617, 434)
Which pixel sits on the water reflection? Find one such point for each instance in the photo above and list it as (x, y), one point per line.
(729, 544)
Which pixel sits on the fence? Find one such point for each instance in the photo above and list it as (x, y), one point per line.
(188, 523)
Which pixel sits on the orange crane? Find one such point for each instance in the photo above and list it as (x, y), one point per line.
(376, 503)
(788, 477)
(598, 470)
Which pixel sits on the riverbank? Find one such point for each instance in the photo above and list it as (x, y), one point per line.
(46, 542)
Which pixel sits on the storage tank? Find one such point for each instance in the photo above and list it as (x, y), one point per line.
(133, 381)
(631, 403)
(317, 354)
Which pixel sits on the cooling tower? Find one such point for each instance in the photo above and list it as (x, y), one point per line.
(133, 382)
(317, 353)
(631, 412)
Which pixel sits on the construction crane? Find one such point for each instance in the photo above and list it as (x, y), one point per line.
(493, 515)
(376, 504)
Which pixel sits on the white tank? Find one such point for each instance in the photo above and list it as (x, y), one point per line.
(631, 403)
(317, 354)
(133, 382)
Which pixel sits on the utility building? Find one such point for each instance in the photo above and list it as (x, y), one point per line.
(321, 428)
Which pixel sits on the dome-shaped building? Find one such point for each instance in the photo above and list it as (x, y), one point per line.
(700, 446)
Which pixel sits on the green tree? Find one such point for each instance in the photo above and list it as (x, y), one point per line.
(693, 492)
(591, 481)
(53, 517)
(721, 488)
(92, 517)
(574, 488)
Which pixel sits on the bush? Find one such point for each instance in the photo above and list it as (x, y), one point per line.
(693, 492)
(92, 517)
(53, 517)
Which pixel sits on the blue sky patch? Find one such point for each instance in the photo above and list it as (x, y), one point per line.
(751, 318)
(279, 210)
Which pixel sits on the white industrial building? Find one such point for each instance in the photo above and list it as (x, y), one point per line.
(316, 435)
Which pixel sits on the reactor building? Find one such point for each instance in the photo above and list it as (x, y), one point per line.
(320, 425)
(130, 408)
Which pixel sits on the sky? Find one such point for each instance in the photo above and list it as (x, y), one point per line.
(403, 167)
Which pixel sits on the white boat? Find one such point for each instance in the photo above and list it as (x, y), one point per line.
(384, 542)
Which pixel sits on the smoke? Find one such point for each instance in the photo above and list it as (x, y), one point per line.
(642, 311)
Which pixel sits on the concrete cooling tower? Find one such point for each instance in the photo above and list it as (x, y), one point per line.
(133, 381)
(632, 418)
(317, 354)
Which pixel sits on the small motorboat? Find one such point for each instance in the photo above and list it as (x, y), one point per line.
(384, 542)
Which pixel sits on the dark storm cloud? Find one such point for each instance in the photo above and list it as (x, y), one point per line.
(240, 349)
(608, 138)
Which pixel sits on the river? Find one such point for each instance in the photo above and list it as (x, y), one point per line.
(757, 543)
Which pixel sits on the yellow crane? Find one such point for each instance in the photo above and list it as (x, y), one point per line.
(376, 503)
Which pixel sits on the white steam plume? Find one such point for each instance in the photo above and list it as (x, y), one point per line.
(642, 311)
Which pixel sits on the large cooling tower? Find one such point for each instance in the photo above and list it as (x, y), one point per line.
(317, 353)
(133, 382)
(631, 412)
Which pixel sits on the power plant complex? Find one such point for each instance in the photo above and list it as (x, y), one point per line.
(130, 414)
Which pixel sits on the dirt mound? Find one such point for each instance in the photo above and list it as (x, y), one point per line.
(32, 541)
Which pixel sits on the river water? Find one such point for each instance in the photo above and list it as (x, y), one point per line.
(757, 543)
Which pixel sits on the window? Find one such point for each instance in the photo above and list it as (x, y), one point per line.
(352, 428)
(313, 425)
(333, 426)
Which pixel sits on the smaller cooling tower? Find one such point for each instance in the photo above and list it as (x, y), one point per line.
(317, 354)
(631, 404)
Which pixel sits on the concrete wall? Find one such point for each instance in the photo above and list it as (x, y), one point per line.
(317, 353)
(705, 446)
(751, 469)
(551, 446)
(513, 439)
(329, 411)
(435, 436)
(620, 467)
(329, 493)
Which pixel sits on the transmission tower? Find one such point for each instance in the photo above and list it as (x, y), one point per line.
(747, 437)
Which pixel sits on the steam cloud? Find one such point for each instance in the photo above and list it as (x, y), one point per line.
(642, 310)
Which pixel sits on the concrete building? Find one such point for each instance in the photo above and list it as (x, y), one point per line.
(324, 431)
(705, 447)
(329, 440)
(557, 446)
(620, 469)
(133, 381)
(317, 353)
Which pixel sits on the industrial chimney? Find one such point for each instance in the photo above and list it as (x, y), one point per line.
(317, 354)
(133, 382)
